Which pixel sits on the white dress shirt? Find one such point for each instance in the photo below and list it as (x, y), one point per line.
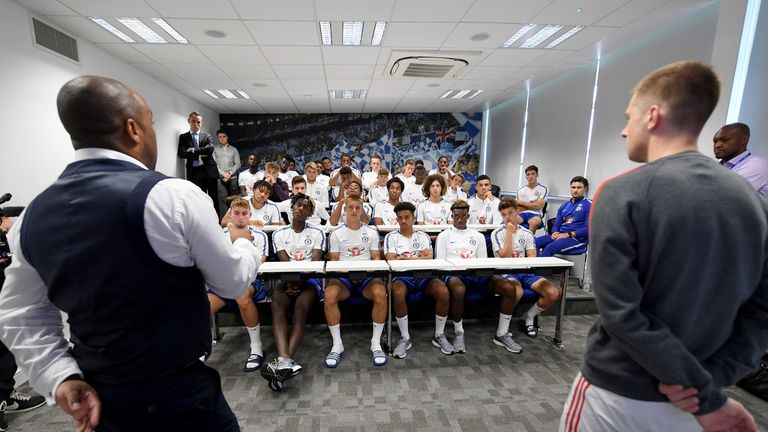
(182, 228)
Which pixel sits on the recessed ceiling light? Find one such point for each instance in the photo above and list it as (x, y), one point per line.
(579, 10)
(229, 94)
(460, 94)
(170, 30)
(541, 36)
(211, 94)
(258, 85)
(520, 33)
(480, 37)
(215, 34)
(112, 29)
(347, 94)
(141, 29)
(433, 85)
(378, 33)
(243, 94)
(325, 32)
(565, 36)
(352, 33)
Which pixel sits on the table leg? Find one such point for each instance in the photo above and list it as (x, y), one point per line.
(389, 313)
(560, 314)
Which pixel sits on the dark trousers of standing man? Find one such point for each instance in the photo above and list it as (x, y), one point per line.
(187, 400)
(199, 176)
(7, 364)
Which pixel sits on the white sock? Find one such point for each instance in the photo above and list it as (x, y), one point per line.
(336, 335)
(503, 327)
(378, 329)
(440, 325)
(458, 326)
(255, 334)
(402, 324)
(532, 313)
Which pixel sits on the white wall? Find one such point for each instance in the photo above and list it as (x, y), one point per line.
(37, 148)
(559, 110)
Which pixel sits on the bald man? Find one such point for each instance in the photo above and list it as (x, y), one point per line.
(117, 247)
(730, 146)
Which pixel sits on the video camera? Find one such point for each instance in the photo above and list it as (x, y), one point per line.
(9, 211)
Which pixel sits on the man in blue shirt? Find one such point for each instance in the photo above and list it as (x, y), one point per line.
(570, 234)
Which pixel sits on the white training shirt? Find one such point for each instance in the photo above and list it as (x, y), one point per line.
(413, 194)
(269, 214)
(353, 245)
(451, 195)
(395, 242)
(247, 179)
(378, 194)
(298, 246)
(407, 180)
(484, 211)
(447, 176)
(318, 190)
(287, 176)
(433, 213)
(317, 217)
(456, 243)
(526, 194)
(386, 212)
(522, 241)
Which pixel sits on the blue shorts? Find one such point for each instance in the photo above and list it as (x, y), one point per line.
(526, 279)
(357, 286)
(259, 294)
(472, 282)
(528, 216)
(414, 285)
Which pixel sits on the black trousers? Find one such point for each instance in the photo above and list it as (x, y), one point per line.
(199, 176)
(7, 371)
(188, 400)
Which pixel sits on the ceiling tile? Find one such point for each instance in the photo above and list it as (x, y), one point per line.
(292, 54)
(348, 84)
(391, 84)
(245, 106)
(299, 71)
(299, 10)
(349, 71)
(125, 52)
(473, 84)
(48, 7)
(264, 86)
(196, 70)
(313, 106)
(630, 12)
(501, 11)
(171, 53)
(430, 10)
(393, 96)
(156, 70)
(214, 83)
(194, 30)
(234, 54)
(514, 57)
(487, 72)
(379, 107)
(304, 84)
(206, 100)
(285, 32)
(359, 10)
(178, 83)
(205, 9)
(585, 38)
(347, 105)
(564, 12)
(417, 34)
(110, 8)
(350, 54)
(496, 34)
(429, 85)
(248, 71)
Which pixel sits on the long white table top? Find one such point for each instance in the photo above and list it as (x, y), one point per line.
(436, 228)
(292, 267)
(508, 263)
(425, 264)
(350, 266)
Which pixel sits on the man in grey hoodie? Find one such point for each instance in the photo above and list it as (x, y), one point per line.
(682, 297)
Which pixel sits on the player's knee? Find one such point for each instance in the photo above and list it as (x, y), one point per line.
(244, 302)
(399, 290)
(379, 293)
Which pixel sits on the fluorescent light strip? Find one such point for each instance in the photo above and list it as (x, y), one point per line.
(227, 94)
(525, 133)
(485, 130)
(332, 94)
(141, 29)
(378, 32)
(363, 93)
(211, 94)
(170, 30)
(742, 61)
(477, 92)
(460, 94)
(446, 94)
(112, 29)
(243, 94)
(565, 36)
(592, 116)
(325, 32)
(526, 28)
(352, 33)
(541, 36)
(347, 94)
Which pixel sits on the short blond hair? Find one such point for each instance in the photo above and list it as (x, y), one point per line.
(311, 165)
(689, 90)
(239, 202)
(271, 166)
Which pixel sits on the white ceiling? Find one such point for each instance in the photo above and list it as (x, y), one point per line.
(272, 49)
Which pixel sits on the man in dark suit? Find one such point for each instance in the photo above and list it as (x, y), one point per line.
(196, 147)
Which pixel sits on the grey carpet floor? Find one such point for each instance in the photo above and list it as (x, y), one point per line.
(486, 389)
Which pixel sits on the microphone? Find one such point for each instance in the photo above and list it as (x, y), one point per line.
(5, 198)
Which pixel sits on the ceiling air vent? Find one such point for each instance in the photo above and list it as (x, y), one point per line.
(429, 64)
(56, 41)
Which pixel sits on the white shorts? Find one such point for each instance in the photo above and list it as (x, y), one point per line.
(593, 409)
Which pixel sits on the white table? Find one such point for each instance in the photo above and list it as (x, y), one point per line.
(291, 270)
